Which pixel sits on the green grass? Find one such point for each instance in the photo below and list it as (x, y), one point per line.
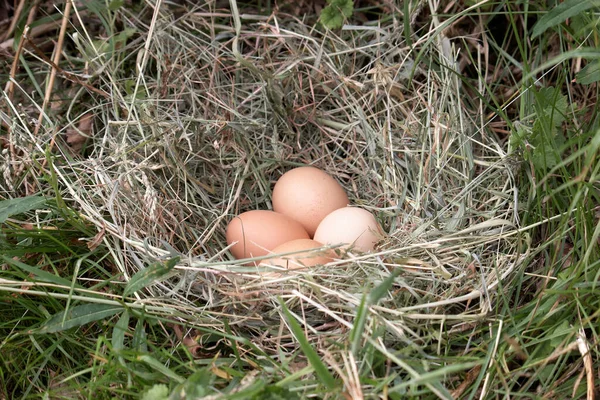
(470, 131)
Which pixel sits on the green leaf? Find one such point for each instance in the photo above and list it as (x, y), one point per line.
(561, 13)
(77, 316)
(139, 341)
(275, 393)
(553, 104)
(346, 7)
(517, 137)
(20, 205)
(159, 367)
(149, 275)
(130, 88)
(40, 274)
(196, 386)
(331, 18)
(122, 37)
(592, 148)
(321, 370)
(559, 333)
(157, 392)
(334, 15)
(545, 139)
(544, 157)
(589, 74)
(384, 287)
(361, 315)
(254, 390)
(359, 325)
(114, 5)
(118, 335)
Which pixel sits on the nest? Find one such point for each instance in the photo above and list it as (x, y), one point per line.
(199, 127)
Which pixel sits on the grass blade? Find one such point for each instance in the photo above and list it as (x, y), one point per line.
(321, 370)
(359, 325)
(118, 336)
(561, 13)
(40, 274)
(156, 365)
(77, 316)
(149, 275)
(361, 314)
(21, 205)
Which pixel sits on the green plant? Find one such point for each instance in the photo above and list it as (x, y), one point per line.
(336, 12)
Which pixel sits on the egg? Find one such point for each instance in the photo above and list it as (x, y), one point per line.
(308, 195)
(352, 226)
(304, 254)
(258, 232)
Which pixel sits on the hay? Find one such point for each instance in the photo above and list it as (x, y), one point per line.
(198, 128)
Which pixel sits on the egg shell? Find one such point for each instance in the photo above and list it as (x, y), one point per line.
(258, 232)
(304, 254)
(354, 227)
(308, 195)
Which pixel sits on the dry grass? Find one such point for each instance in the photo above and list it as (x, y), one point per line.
(201, 119)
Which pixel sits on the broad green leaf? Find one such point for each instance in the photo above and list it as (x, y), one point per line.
(559, 333)
(589, 74)
(545, 156)
(20, 205)
(124, 35)
(545, 138)
(561, 13)
(331, 18)
(157, 392)
(114, 5)
(554, 105)
(196, 386)
(345, 7)
(517, 137)
(77, 316)
(334, 15)
(321, 370)
(149, 275)
(40, 274)
(118, 335)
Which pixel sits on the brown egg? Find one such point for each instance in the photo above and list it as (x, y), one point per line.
(303, 256)
(308, 195)
(258, 232)
(352, 226)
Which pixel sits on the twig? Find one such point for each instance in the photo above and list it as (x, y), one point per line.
(34, 32)
(14, 21)
(32, 12)
(65, 74)
(584, 349)
(56, 61)
(10, 85)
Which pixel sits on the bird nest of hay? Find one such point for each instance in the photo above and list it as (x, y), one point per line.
(207, 110)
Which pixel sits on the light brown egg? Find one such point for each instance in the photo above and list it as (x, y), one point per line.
(258, 232)
(308, 195)
(352, 226)
(304, 254)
